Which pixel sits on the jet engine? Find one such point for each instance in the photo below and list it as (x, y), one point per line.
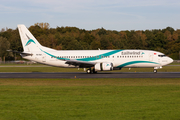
(103, 66)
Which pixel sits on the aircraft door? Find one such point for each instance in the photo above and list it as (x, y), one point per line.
(43, 58)
(150, 56)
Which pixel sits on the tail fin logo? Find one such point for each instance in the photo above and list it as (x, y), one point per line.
(29, 41)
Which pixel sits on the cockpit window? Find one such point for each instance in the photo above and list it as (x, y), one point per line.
(161, 55)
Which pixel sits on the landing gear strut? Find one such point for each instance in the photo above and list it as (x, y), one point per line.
(94, 71)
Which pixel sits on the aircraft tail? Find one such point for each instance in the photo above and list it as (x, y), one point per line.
(29, 42)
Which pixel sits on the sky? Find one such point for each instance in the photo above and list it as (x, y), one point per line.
(92, 14)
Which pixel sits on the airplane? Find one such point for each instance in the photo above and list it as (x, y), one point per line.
(91, 60)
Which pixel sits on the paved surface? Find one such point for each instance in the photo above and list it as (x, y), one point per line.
(98, 75)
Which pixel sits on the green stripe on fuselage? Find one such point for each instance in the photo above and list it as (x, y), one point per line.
(55, 56)
(97, 57)
(135, 62)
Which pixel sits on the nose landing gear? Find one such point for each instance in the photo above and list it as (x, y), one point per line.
(155, 71)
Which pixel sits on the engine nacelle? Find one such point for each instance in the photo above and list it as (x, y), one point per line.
(103, 66)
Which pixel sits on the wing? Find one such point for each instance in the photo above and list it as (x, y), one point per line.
(80, 64)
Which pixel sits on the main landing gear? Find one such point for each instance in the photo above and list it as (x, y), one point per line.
(89, 71)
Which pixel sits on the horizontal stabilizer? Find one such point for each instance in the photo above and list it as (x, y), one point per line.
(22, 53)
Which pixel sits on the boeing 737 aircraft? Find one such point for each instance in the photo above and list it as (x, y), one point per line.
(93, 60)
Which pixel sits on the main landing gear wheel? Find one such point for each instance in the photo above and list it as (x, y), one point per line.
(88, 71)
(155, 71)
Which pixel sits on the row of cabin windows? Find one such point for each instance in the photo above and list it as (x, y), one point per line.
(97, 57)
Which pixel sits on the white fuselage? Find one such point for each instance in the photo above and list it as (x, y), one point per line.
(119, 58)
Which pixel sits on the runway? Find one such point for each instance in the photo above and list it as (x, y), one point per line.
(98, 75)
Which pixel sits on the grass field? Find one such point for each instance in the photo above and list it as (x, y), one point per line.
(43, 68)
(174, 67)
(90, 99)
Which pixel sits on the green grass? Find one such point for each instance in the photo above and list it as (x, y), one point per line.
(42, 68)
(89, 99)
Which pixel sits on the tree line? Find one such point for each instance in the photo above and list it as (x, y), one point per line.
(72, 38)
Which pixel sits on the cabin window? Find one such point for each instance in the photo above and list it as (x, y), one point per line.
(161, 55)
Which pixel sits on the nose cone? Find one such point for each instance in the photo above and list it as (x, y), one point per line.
(170, 60)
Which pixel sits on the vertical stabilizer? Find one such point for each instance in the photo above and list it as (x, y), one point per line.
(29, 42)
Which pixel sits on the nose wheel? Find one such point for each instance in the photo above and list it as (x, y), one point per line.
(155, 71)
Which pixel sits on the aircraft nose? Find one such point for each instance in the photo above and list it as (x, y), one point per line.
(170, 60)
